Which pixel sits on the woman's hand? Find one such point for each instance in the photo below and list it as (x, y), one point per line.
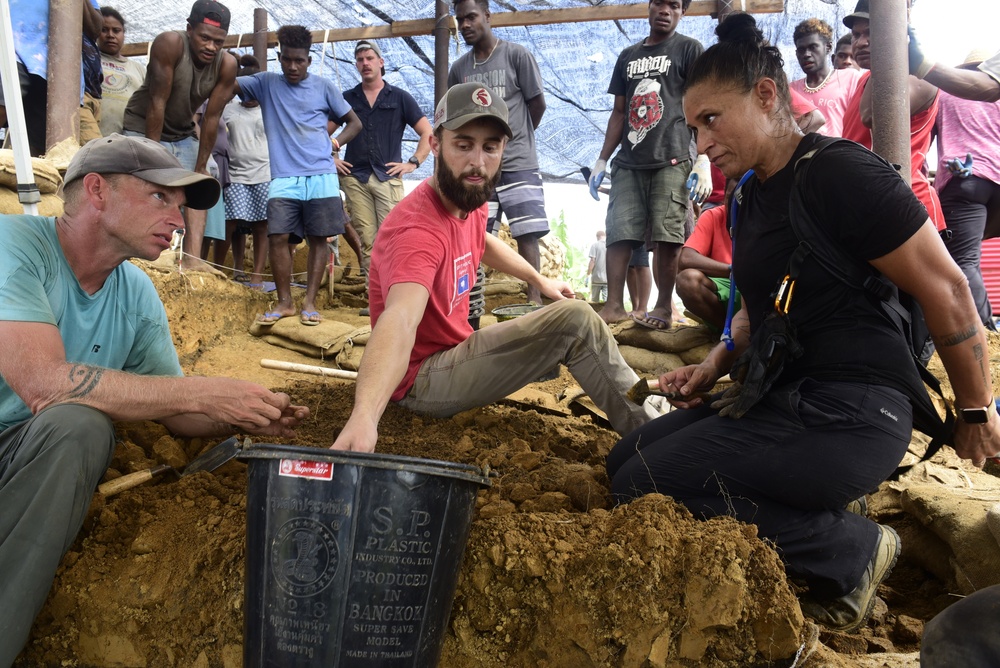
(688, 380)
(978, 442)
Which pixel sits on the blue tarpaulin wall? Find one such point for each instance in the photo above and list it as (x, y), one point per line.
(576, 59)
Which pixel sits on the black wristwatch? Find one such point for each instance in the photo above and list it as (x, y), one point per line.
(975, 415)
(414, 160)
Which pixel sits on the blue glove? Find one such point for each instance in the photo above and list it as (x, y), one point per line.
(596, 177)
(586, 281)
(699, 183)
(961, 169)
(918, 62)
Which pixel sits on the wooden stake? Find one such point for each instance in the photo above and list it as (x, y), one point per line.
(309, 368)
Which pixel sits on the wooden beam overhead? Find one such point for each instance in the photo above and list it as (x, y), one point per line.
(497, 20)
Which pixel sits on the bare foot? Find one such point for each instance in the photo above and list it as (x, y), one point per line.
(612, 314)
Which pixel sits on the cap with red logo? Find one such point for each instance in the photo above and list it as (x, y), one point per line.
(211, 13)
(467, 102)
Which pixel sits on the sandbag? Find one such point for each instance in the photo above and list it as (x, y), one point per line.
(350, 357)
(51, 205)
(673, 340)
(649, 361)
(958, 517)
(324, 340)
(46, 175)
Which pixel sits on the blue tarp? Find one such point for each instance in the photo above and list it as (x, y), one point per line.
(576, 59)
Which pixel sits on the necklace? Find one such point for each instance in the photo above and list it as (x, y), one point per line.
(476, 63)
(810, 89)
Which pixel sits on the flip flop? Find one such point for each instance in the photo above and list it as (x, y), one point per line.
(661, 327)
(269, 314)
(306, 318)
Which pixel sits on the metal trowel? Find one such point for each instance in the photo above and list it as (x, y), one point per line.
(207, 461)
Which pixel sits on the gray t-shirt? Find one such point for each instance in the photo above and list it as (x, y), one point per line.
(651, 78)
(248, 157)
(598, 253)
(992, 66)
(513, 74)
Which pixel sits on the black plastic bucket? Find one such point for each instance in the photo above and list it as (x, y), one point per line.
(352, 558)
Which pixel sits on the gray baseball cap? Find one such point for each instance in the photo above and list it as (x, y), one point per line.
(365, 45)
(144, 159)
(466, 102)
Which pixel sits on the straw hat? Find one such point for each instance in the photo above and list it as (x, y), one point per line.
(975, 57)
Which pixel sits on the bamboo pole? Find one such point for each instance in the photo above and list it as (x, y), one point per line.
(309, 368)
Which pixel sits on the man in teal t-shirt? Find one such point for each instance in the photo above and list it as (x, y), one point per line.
(84, 341)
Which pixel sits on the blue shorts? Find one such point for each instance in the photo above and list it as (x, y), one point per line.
(304, 188)
(519, 196)
(305, 206)
(640, 257)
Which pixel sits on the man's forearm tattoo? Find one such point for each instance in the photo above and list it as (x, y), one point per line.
(85, 379)
(977, 350)
(958, 337)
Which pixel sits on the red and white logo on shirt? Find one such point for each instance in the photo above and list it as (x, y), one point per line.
(464, 278)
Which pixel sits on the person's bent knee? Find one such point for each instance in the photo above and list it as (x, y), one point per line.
(90, 433)
(688, 283)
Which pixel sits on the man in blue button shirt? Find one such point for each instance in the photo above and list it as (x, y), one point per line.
(371, 173)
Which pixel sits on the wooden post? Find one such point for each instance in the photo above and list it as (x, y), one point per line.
(890, 84)
(441, 43)
(62, 119)
(260, 37)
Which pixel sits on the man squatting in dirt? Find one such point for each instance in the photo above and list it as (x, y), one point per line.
(423, 354)
(84, 342)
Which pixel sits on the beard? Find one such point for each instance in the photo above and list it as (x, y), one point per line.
(465, 197)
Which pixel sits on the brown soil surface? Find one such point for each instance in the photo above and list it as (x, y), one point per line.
(553, 575)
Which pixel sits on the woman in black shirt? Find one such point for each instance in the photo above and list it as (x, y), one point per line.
(837, 418)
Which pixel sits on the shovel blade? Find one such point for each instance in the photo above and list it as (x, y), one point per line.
(214, 458)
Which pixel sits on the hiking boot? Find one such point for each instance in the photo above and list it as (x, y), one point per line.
(849, 612)
(858, 506)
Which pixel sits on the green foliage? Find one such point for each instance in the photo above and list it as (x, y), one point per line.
(575, 267)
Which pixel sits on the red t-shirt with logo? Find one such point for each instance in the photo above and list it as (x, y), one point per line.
(420, 242)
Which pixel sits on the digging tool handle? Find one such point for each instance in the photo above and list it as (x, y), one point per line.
(131, 480)
(309, 368)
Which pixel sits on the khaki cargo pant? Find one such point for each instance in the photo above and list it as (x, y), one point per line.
(500, 359)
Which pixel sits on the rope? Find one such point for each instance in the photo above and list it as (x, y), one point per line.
(322, 52)
(182, 254)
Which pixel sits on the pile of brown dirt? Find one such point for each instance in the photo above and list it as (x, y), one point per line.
(553, 575)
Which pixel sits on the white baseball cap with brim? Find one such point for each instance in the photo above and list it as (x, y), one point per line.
(145, 159)
(466, 102)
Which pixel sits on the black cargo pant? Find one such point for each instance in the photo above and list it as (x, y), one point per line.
(789, 465)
